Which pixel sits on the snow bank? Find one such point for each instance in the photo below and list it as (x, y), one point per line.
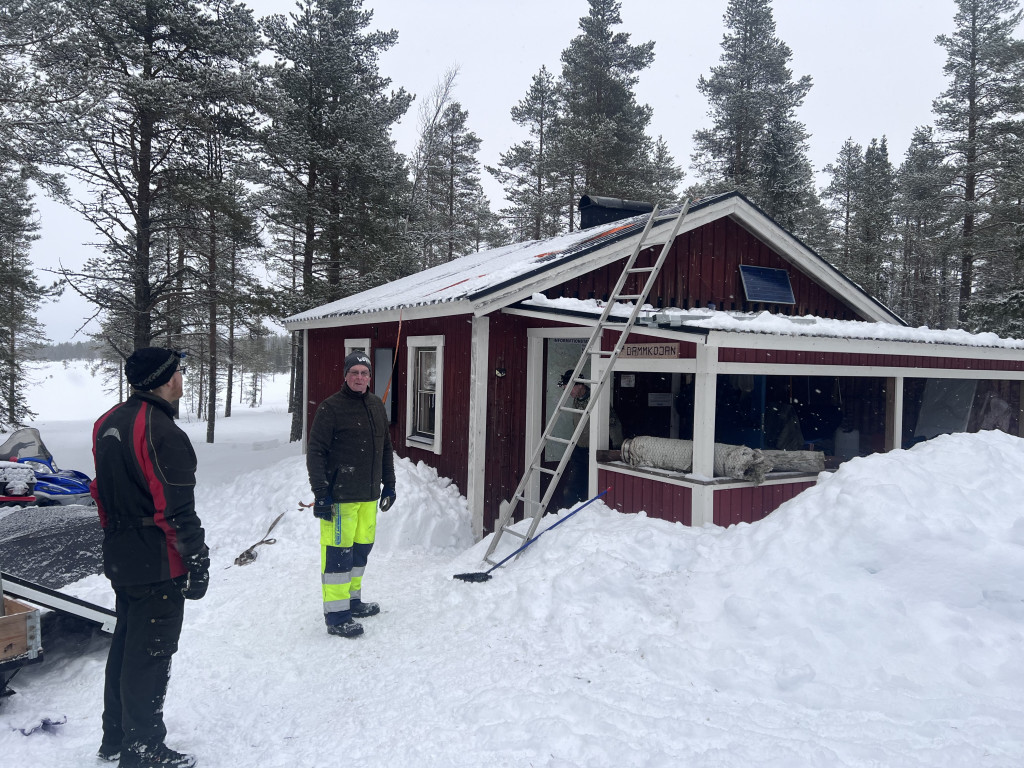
(876, 619)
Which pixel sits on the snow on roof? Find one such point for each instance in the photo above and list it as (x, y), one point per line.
(470, 275)
(780, 325)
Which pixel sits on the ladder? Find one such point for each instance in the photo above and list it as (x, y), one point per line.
(534, 468)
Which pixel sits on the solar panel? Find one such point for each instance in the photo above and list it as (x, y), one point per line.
(767, 285)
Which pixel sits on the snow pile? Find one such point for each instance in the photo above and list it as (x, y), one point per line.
(877, 619)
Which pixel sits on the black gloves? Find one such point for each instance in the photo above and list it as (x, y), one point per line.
(387, 498)
(198, 575)
(323, 505)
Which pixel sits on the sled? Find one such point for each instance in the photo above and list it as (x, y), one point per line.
(53, 485)
(20, 639)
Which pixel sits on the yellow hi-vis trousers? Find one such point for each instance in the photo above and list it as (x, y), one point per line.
(345, 543)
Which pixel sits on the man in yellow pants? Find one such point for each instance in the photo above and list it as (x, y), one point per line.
(349, 460)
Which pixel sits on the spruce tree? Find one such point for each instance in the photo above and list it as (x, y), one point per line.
(924, 278)
(874, 220)
(755, 143)
(840, 196)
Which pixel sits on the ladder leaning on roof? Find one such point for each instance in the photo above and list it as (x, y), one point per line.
(534, 468)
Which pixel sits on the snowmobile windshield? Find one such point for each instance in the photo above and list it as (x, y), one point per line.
(26, 443)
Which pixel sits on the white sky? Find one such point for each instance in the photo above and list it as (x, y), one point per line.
(875, 66)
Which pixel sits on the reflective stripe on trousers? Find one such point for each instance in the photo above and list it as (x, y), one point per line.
(345, 544)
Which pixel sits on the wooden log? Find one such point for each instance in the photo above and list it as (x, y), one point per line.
(796, 461)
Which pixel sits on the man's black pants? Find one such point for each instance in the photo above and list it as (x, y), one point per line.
(149, 620)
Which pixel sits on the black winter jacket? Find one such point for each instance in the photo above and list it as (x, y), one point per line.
(144, 491)
(350, 442)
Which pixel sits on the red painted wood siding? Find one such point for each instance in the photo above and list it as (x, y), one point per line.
(703, 267)
(631, 494)
(794, 357)
(748, 505)
(326, 360)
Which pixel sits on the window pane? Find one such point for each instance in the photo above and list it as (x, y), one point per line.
(424, 413)
(427, 369)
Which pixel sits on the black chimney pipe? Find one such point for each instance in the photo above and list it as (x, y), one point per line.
(595, 210)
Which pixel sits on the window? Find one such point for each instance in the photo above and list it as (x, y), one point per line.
(424, 392)
(357, 345)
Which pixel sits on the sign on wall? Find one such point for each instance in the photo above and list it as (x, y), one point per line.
(658, 351)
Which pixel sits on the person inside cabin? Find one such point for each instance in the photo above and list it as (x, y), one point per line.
(349, 459)
(577, 470)
(995, 412)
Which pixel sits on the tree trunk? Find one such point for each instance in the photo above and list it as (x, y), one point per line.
(211, 408)
(298, 405)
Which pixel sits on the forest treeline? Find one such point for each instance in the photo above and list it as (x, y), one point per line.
(238, 170)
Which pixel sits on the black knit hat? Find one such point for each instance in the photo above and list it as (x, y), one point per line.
(151, 367)
(357, 358)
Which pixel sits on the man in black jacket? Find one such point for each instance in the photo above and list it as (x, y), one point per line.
(349, 458)
(154, 553)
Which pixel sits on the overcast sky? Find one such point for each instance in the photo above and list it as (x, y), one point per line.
(874, 64)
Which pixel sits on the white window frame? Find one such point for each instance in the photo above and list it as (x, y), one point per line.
(363, 345)
(414, 343)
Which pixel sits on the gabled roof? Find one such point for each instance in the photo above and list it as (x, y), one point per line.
(483, 282)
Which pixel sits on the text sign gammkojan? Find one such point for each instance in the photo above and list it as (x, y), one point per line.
(650, 351)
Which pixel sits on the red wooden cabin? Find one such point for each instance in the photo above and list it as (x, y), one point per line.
(473, 350)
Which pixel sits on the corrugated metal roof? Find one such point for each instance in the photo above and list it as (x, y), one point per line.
(473, 275)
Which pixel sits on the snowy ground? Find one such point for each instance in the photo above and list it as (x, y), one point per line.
(876, 620)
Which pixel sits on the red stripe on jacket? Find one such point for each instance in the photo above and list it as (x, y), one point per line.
(141, 443)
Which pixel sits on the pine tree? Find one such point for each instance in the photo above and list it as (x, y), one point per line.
(600, 145)
(981, 106)
(333, 179)
(450, 189)
(525, 171)
(20, 296)
(755, 144)
(133, 78)
(840, 196)
(27, 135)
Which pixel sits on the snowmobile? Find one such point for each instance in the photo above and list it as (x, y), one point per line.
(52, 485)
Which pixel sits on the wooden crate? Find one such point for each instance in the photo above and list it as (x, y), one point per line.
(20, 636)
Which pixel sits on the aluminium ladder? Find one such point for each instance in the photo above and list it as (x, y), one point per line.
(534, 469)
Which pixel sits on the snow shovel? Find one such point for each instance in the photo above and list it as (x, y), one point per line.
(486, 575)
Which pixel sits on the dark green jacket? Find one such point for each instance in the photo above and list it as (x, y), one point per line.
(349, 441)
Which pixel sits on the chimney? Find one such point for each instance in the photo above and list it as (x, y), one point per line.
(595, 211)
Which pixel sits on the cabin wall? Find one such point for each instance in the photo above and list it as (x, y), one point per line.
(631, 494)
(748, 505)
(326, 364)
(506, 410)
(703, 268)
